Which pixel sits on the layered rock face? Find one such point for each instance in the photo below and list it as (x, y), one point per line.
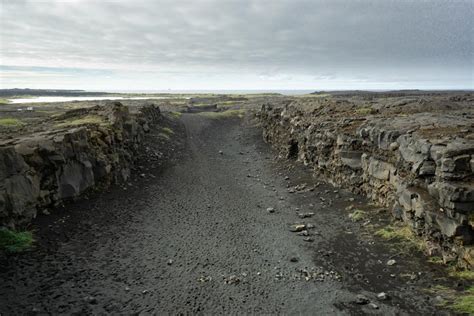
(81, 149)
(414, 156)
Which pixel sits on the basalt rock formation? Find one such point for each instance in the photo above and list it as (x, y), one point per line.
(79, 150)
(413, 155)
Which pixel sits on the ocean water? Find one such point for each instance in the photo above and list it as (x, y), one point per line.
(285, 92)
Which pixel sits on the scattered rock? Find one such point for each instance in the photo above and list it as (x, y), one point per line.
(361, 299)
(391, 262)
(294, 259)
(170, 262)
(90, 300)
(374, 306)
(232, 279)
(297, 227)
(270, 210)
(203, 279)
(305, 215)
(382, 296)
(308, 239)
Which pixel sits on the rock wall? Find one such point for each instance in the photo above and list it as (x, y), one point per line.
(420, 166)
(79, 150)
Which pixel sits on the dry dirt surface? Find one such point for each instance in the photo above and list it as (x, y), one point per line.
(209, 232)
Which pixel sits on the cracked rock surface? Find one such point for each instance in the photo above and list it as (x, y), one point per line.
(194, 236)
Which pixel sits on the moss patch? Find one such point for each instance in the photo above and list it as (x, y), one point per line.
(10, 122)
(358, 215)
(89, 119)
(403, 235)
(224, 114)
(175, 114)
(463, 274)
(365, 110)
(164, 136)
(458, 301)
(465, 302)
(15, 241)
(167, 130)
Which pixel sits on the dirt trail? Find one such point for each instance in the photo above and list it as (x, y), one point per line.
(196, 237)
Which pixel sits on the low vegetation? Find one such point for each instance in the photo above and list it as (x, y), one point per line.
(224, 114)
(10, 122)
(167, 130)
(175, 114)
(365, 110)
(89, 119)
(459, 301)
(358, 215)
(463, 274)
(4, 101)
(403, 235)
(15, 241)
(164, 136)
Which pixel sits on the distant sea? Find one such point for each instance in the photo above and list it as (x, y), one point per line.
(285, 92)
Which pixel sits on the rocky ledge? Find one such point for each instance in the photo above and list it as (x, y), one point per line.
(413, 155)
(78, 151)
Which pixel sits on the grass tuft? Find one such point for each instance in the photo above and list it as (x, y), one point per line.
(175, 114)
(10, 122)
(164, 136)
(393, 232)
(358, 215)
(463, 274)
(167, 130)
(365, 110)
(223, 115)
(465, 302)
(404, 236)
(15, 241)
(459, 301)
(89, 119)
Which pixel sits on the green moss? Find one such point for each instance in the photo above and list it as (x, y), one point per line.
(163, 135)
(10, 122)
(395, 232)
(465, 303)
(358, 215)
(167, 130)
(436, 260)
(405, 237)
(4, 101)
(459, 301)
(175, 114)
(89, 119)
(223, 115)
(15, 241)
(463, 274)
(365, 110)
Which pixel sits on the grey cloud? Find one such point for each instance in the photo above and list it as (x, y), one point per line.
(322, 39)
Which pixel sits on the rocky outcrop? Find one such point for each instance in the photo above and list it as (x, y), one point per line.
(82, 149)
(420, 166)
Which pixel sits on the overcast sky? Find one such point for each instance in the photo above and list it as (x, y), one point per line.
(241, 44)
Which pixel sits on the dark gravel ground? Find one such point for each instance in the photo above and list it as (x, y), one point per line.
(194, 236)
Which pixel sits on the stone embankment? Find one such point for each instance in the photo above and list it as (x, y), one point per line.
(414, 156)
(78, 151)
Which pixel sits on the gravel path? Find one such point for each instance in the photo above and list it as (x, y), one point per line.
(209, 233)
